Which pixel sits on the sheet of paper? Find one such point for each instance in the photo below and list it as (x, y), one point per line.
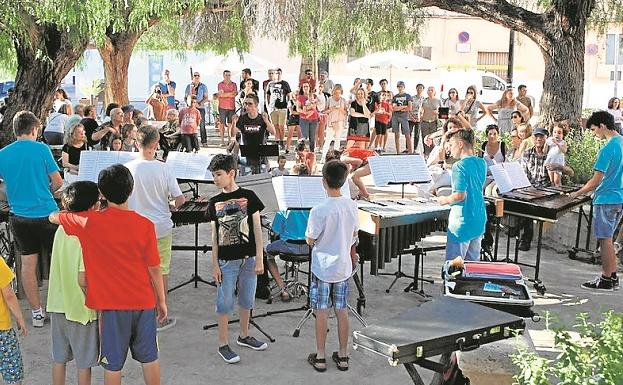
(311, 190)
(516, 174)
(409, 168)
(505, 184)
(88, 166)
(287, 192)
(192, 166)
(92, 162)
(381, 169)
(125, 156)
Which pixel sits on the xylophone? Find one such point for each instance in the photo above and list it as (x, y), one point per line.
(390, 228)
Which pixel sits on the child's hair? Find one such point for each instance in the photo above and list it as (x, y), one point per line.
(300, 169)
(334, 173)
(115, 137)
(280, 157)
(300, 146)
(562, 127)
(115, 183)
(467, 136)
(147, 135)
(80, 196)
(332, 155)
(222, 162)
(601, 117)
(126, 129)
(173, 111)
(215, 95)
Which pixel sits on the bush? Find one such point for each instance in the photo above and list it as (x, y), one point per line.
(583, 147)
(595, 359)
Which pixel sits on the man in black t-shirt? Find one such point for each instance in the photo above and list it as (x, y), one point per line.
(277, 103)
(90, 124)
(253, 127)
(372, 99)
(246, 75)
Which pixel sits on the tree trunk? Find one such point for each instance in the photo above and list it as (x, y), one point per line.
(116, 53)
(307, 62)
(43, 62)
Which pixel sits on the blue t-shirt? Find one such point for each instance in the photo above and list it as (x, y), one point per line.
(467, 218)
(164, 89)
(291, 224)
(200, 93)
(609, 162)
(25, 166)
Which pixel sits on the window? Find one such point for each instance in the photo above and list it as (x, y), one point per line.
(610, 48)
(496, 62)
(491, 83)
(424, 52)
(612, 75)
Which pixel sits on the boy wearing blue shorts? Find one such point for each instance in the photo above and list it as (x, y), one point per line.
(466, 223)
(237, 251)
(122, 269)
(607, 181)
(74, 326)
(331, 230)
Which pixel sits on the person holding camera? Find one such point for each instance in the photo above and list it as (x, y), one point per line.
(167, 89)
(157, 104)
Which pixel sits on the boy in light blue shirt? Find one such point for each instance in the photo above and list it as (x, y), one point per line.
(466, 223)
(607, 181)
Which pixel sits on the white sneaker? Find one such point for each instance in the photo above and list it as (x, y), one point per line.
(38, 320)
(617, 247)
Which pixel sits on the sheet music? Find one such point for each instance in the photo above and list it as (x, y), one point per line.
(193, 166)
(301, 191)
(509, 176)
(398, 169)
(92, 162)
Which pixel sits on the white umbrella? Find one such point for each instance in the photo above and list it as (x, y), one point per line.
(235, 62)
(392, 60)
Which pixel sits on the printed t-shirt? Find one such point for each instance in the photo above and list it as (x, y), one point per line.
(227, 102)
(253, 130)
(118, 247)
(372, 100)
(232, 214)
(309, 115)
(467, 218)
(278, 94)
(189, 120)
(401, 100)
(6, 277)
(333, 224)
(64, 293)
(154, 184)
(610, 189)
(26, 166)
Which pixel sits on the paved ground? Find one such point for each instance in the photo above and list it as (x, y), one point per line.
(188, 353)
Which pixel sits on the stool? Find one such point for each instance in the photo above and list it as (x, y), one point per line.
(292, 262)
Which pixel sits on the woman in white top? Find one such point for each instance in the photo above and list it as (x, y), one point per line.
(336, 111)
(54, 132)
(471, 106)
(321, 105)
(61, 98)
(453, 101)
(493, 152)
(505, 108)
(614, 108)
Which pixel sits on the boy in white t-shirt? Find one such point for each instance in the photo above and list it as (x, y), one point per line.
(155, 193)
(331, 230)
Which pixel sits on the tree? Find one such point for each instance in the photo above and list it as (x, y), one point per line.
(43, 40)
(558, 27)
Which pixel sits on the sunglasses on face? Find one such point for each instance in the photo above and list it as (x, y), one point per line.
(196, 75)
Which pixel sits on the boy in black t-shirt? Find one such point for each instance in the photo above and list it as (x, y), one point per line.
(235, 217)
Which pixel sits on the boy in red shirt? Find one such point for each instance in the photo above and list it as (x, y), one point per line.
(383, 114)
(190, 117)
(122, 268)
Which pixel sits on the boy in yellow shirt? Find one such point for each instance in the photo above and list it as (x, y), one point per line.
(11, 365)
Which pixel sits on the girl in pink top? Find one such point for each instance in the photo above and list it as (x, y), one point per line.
(190, 117)
(307, 107)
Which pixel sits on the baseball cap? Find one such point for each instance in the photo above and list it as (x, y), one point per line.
(541, 131)
(400, 84)
(324, 73)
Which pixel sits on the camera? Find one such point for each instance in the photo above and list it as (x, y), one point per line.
(158, 91)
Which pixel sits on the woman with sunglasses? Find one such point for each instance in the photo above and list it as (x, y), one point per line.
(514, 153)
(517, 119)
(505, 107)
(453, 101)
(471, 106)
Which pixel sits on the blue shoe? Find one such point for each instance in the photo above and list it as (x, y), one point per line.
(228, 355)
(251, 342)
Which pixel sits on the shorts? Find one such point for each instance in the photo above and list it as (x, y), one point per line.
(324, 295)
(401, 122)
(293, 120)
(32, 235)
(380, 128)
(11, 364)
(469, 251)
(74, 340)
(241, 271)
(226, 116)
(281, 246)
(278, 117)
(123, 329)
(164, 249)
(605, 219)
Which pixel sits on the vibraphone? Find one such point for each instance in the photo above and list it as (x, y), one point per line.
(192, 212)
(542, 204)
(390, 228)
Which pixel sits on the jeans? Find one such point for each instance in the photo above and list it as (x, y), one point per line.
(308, 131)
(202, 126)
(469, 251)
(241, 271)
(190, 142)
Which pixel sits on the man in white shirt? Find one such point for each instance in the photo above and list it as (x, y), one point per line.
(155, 193)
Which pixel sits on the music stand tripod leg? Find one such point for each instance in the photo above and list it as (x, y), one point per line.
(357, 316)
(415, 376)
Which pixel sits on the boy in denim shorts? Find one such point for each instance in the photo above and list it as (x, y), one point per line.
(122, 270)
(331, 230)
(607, 182)
(236, 241)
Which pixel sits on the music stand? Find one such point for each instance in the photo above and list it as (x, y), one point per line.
(399, 169)
(255, 153)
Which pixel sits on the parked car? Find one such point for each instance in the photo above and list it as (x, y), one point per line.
(4, 87)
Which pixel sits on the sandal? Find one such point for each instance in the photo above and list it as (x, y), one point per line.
(340, 362)
(313, 361)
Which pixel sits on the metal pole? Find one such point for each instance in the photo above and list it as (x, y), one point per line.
(511, 54)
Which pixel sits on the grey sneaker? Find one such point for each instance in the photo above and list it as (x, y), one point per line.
(228, 355)
(599, 283)
(38, 320)
(166, 324)
(251, 342)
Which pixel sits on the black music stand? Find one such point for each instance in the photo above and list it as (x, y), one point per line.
(255, 153)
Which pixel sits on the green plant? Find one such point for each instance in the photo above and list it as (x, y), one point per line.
(583, 148)
(596, 358)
